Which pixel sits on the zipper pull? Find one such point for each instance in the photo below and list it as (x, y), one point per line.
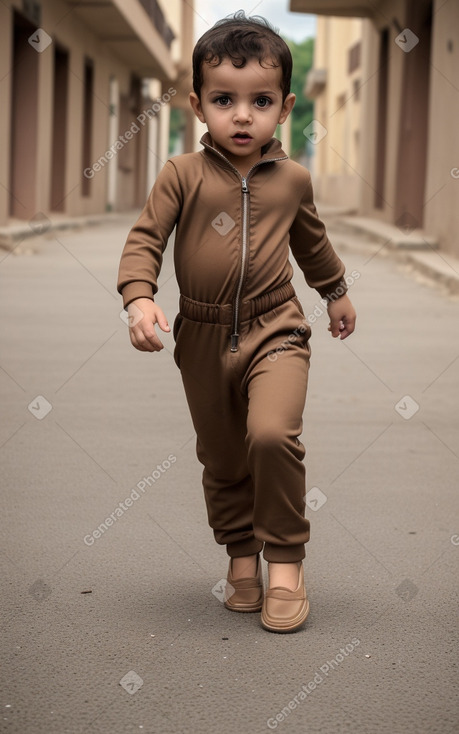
(234, 342)
(245, 188)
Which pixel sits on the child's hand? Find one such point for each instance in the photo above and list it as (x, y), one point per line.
(143, 314)
(342, 317)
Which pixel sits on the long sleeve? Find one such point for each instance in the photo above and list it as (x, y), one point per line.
(143, 252)
(312, 250)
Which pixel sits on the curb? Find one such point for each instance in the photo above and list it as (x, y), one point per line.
(415, 249)
(408, 239)
(435, 267)
(40, 224)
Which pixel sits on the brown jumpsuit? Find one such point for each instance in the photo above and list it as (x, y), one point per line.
(241, 339)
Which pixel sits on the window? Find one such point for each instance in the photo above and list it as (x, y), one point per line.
(354, 57)
(356, 90)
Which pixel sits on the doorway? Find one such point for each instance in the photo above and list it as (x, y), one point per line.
(59, 139)
(412, 141)
(24, 121)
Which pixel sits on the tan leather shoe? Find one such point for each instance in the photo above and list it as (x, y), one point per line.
(244, 595)
(285, 610)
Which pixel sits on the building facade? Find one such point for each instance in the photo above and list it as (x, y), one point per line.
(386, 91)
(86, 91)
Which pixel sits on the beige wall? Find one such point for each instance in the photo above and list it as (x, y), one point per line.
(5, 109)
(68, 31)
(421, 148)
(367, 167)
(338, 109)
(172, 9)
(80, 42)
(442, 189)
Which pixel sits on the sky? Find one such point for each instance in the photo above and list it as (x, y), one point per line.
(295, 26)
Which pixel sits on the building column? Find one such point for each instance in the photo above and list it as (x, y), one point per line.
(113, 125)
(45, 91)
(6, 37)
(152, 160)
(163, 135)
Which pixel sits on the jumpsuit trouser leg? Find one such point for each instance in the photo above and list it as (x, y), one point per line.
(247, 409)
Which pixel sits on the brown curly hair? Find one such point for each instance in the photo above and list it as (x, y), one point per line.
(239, 39)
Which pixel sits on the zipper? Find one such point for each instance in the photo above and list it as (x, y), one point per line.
(244, 247)
(237, 299)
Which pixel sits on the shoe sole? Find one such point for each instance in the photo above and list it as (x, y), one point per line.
(293, 627)
(246, 610)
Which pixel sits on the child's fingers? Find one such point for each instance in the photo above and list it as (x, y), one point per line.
(348, 326)
(144, 339)
(162, 322)
(345, 332)
(342, 328)
(145, 315)
(335, 327)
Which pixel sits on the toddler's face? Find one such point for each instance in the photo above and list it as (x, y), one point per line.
(241, 108)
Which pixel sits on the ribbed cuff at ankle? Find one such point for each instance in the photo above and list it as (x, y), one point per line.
(283, 553)
(249, 547)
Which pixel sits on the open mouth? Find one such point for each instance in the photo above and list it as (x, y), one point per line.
(242, 138)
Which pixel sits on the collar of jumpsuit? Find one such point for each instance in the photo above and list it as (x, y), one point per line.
(270, 151)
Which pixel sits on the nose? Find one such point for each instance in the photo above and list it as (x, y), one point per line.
(242, 113)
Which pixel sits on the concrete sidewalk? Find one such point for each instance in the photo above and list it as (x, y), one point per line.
(412, 248)
(112, 611)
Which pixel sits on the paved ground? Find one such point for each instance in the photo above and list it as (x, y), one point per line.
(140, 604)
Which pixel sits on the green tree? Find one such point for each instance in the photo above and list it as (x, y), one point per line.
(176, 128)
(303, 111)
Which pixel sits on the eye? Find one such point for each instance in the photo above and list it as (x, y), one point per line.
(263, 102)
(222, 101)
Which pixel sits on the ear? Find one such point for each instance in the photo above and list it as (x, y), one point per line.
(287, 107)
(195, 103)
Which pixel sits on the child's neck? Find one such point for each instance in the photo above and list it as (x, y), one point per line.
(244, 165)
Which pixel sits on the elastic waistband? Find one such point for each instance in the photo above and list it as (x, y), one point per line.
(214, 313)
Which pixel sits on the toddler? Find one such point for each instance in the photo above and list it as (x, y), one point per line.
(238, 206)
